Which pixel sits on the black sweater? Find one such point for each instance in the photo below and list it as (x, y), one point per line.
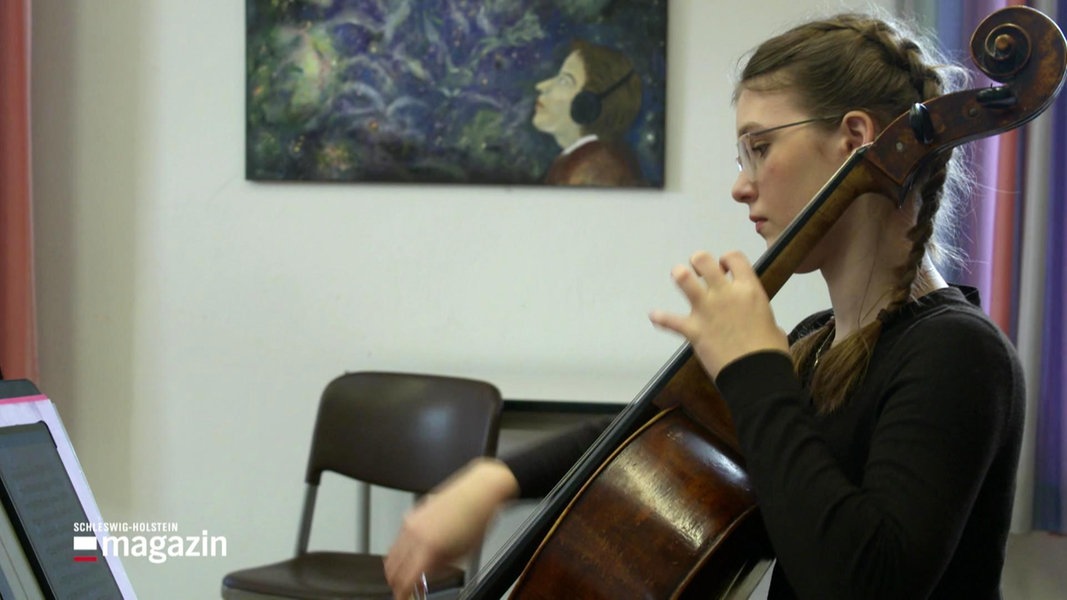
(905, 491)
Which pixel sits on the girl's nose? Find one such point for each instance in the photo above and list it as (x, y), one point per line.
(743, 190)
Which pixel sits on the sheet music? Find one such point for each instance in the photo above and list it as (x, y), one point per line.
(37, 489)
(18, 408)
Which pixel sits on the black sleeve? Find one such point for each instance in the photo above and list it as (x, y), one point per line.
(538, 467)
(892, 534)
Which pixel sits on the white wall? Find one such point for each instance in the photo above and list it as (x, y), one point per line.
(189, 318)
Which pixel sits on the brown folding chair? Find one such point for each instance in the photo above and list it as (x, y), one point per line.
(396, 430)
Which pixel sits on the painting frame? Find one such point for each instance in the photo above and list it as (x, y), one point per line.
(447, 91)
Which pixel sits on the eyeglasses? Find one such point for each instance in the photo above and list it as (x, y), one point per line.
(747, 158)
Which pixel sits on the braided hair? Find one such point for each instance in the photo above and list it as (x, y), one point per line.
(860, 62)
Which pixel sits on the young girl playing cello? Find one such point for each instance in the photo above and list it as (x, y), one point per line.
(882, 436)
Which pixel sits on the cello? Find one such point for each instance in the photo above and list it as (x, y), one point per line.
(665, 484)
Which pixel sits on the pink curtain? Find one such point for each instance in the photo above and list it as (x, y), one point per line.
(994, 245)
(18, 339)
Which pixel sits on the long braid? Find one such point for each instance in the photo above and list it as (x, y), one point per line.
(928, 84)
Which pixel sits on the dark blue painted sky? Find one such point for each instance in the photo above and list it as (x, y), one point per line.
(429, 90)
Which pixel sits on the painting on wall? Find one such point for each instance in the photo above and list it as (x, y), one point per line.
(514, 92)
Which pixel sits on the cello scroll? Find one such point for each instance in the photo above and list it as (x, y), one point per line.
(1017, 46)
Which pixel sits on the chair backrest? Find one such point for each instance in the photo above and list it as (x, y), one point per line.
(403, 431)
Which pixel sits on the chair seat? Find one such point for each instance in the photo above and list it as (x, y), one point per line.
(329, 576)
(401, 431)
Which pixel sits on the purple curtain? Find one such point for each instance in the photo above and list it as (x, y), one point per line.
(991, 224)
(1017, 258)
(1050, 460)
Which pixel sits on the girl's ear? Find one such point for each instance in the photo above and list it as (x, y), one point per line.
(857, 128)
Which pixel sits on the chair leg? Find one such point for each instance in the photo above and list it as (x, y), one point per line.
(304, 533)
(364, 517)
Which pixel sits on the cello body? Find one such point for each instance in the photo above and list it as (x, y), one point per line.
(711, 525)
(673, 497)
(661, 505)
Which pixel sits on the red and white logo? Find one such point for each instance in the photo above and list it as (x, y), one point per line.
(85, 548)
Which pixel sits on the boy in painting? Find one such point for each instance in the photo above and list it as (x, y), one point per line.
(587, 107)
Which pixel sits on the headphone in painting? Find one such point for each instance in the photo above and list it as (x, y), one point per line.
(586, 106)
